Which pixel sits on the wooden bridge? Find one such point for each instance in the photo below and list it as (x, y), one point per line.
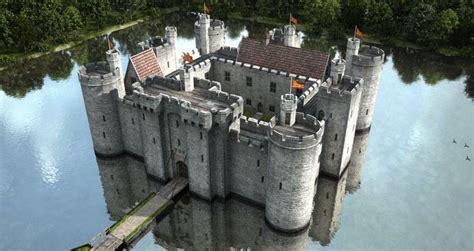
(138, 219)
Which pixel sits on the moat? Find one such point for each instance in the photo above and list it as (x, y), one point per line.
(415, 188)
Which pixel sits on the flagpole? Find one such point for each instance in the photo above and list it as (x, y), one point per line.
(291, 83)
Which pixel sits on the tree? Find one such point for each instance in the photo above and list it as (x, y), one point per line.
(321, 14)
(419, 23)
(445, 24)
(72, 19)
(380, 18)
(464, 32)
(6, 36)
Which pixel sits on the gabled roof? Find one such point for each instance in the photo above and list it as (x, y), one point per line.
(146, 64)
(294, 60)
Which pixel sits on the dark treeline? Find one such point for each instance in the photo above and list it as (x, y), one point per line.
(35, 25)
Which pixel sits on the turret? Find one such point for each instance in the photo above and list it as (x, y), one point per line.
(201, 30)
(114, 62)
(293, 165)
(171, 34)
(367, 64)
(337, 70)
(102, 85)
(188, 79)
(352, 49)
(288, 105)
(290, 37)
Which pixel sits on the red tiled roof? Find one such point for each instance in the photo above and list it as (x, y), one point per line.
(294, 60)
(146, 64)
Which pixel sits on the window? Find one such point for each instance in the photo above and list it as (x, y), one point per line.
(272, 87)
(339, 78)
(202, 158)
(248, 101)
(327, 195)
(351, 113)
(179, 142)
(227, 76)
(335, 137)
(112, 177)
(330, 115)
(280, 185)
(249, 81)
(133, 80)
(154, 141)
(168, 64)
(177, 123)
(263, 179)
(367, 112)
(332, 157)
(143, 116)
(206, 75)
(103, 134)
(271, 108)
(103, 118)
(200, 135)
(133, 121)
(258, 162)
(118, 192)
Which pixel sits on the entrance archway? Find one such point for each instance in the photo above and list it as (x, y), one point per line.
(182, 169)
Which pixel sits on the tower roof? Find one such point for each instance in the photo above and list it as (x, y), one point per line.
(308, 63)
(146, 64)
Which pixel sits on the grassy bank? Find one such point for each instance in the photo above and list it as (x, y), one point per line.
(86, 33)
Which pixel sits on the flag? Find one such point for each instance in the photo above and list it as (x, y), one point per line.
(293, 20)
(297, 85)
(187, 58)
(358, 33)
(206, 9)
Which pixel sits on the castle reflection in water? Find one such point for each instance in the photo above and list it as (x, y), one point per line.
(234, 224)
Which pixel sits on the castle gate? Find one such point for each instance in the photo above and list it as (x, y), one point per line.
(181, 169)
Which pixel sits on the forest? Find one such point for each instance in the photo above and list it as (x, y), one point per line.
(38, 25)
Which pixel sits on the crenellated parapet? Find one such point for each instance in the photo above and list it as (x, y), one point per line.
(292, 141)
(156, 42)
(255, 126)
(369, 56)
(98, 74)
(228, 51)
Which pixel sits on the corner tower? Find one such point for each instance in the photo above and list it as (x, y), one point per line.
(290, 36)
(293, 166)
(209, 34)
(365, 63)
(102, 85)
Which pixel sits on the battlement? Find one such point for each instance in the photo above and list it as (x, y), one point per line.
(171, 83)
(194, 114)
(308, 121)
(98, 74)
(349, 86)
(145, 101)
(228, 51)
(293, 142)
(255, 126)
(369, 56)
(294, 137)
(216, 26)
(156, 42)
(235, 135)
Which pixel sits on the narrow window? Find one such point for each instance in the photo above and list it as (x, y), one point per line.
(280, 185)
(335, 137)
(263, 179)
(272, 87)
(360, 150)
(351, 113)
(367, 112)
(177, 123)
(200, 135)
(271, 108)
(227, 76)
(339, 77)
(133, 121)
(327, 195)
(206, 75)
(260, 232)
(112, 177)
(249, 81)
(179, 142)
(248, 101)
(330, 115)
(258, 162)
(154, 141)
(202, 158)
(118, 192)
(103, 118)
(103, 134)
(168, 64)
(143, 116)
(332, 157)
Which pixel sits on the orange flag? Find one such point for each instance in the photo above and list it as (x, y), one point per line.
(358, 33)
(293, 20)
(187, 58)
(206, 9)
(297, 85)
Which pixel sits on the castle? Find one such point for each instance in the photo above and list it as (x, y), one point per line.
(229, 120)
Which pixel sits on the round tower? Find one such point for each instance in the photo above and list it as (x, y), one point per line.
(171, 34)
(201, 33)
(292, 169)
(337, 70)
(101, 87)
(352, 49)
(367, 64)
(288, 105)
(216, 35)
(114, 62)
(290, 37)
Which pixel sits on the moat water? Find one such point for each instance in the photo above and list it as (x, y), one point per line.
(413, 191)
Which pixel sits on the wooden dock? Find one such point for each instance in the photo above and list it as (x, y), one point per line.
(140, 217)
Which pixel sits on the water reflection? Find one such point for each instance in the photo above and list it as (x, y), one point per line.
(234, 224)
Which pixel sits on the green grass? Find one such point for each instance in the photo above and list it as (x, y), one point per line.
(249, 112)
(134, 210)
(147, 221)
(266, 118)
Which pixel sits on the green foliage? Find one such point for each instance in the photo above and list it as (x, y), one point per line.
(380, 18)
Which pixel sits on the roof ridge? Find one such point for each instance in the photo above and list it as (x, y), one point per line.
(285, 46)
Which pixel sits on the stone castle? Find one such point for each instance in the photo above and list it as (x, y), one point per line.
(229, 121)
